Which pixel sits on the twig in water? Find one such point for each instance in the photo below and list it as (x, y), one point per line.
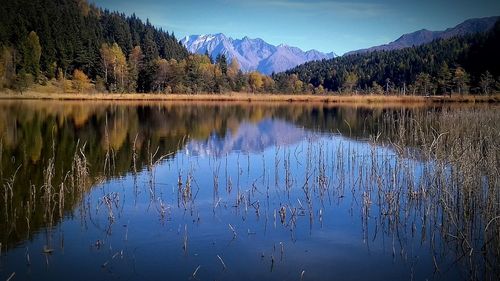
(221, 261)
(11, 276)
(196, 271)
(233, 230)
(282, 250)
(28, 260)
(185, 238)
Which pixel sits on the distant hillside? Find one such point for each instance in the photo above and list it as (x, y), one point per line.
(252, 54)
(469, 63)
(70, 34)
(424, 36)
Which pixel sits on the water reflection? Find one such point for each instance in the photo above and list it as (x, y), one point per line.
(285, 188)
(249, 138)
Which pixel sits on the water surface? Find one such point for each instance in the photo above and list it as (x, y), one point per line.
(197, 191)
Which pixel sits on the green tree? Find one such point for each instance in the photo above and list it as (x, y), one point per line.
(376, 88)
(423, 83)
(135, 59)
(444, 79)
(221, 61)
(241, 82)
(31, 54)
(351, 81)
(23, 81)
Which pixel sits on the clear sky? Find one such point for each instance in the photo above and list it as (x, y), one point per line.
(325, 25)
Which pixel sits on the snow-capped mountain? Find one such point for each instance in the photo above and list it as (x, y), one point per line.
(252, 54)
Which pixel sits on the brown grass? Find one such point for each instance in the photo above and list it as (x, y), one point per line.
(249, 97)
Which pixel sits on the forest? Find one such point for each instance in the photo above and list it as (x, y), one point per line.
(469, 64)
(74, 46)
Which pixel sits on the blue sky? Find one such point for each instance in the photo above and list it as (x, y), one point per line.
(325, 25)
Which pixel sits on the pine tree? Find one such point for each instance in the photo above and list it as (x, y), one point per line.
(221, 61)
(444, 79)
(31, 55)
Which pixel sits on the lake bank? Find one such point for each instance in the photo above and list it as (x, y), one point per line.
(249, 97)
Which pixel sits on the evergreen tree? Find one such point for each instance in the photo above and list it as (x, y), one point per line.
(31, 54)
(221, 61)
(70, 35)
(423, 83)
(394, 70)
(135, 61)
(444, 79)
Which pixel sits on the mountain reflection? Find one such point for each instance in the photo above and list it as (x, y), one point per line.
(249, 138)
(39, 142)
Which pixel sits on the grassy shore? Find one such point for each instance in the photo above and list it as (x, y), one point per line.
(249, 97)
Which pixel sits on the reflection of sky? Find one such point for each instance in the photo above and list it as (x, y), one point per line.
(152, 247)
(249, 138)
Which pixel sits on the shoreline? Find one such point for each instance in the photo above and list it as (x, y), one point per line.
(249, 97)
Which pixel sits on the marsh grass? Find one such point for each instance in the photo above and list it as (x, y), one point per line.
(427, 177)
(250, 97)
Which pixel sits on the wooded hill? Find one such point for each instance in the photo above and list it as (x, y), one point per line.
(73, 46)
(459, 64)
(47, 38)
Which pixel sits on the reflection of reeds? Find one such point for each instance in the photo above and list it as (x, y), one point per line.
(185, 244)
(222, 262)
(426, 177)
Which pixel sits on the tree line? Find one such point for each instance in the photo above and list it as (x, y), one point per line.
(469, 64)
(76, 46)
(41, 40)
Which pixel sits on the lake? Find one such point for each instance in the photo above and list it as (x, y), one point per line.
(248, 191)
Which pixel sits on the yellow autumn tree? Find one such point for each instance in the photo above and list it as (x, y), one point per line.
(255, 81)
(7, 67)
(233, 68)
(268, 84)
(114, 65)
(80, 81)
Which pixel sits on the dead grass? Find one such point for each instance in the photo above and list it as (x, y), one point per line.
(249, 97)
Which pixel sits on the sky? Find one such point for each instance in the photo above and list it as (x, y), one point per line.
(324, 25)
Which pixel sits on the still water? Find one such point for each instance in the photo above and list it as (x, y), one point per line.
(211, 191)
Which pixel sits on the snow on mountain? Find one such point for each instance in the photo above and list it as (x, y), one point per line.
(252, 54)
(250, 138)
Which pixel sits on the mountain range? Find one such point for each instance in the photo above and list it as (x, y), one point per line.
(424, 36)
(252, 54)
